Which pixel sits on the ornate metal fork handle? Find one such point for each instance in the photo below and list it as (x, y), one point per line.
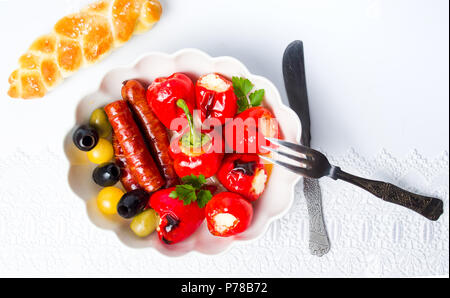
(314, 164)
(431, 208)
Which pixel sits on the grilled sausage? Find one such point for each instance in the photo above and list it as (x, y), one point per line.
(153, 130)
(138, 157)
(128, 181)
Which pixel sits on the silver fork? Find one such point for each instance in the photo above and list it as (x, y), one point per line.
(313, 164)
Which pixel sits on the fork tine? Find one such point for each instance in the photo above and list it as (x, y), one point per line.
(296, 147)
(308, 163)
(292, 168)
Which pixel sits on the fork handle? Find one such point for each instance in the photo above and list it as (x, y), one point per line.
(431, 208)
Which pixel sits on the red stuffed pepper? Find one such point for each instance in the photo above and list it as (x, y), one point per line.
(177, 220)
(181, 208)
(249, 129)
(215, 99)
(162, 96)
(228, 214)
(194, 152)
(243, 174)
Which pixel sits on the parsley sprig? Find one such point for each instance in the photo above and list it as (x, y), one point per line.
(191, 191)
(242, 87)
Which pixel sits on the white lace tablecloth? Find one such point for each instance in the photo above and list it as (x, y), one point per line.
(377, 77)
(49, 233)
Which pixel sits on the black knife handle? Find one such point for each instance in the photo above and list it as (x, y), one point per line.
(428, 207)
(295, 83)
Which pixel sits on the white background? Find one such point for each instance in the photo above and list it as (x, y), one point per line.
(378, 82)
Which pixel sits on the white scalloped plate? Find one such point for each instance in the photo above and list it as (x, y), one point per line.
(275, 201)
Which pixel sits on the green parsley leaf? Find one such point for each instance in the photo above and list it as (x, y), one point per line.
(257, 97)
(191, 191)
(185, 193)
(242, 104)
(242, 87)
(195, 181)
(203, 197)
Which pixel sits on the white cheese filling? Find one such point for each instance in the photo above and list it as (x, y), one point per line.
(259, 182)
(213, 82)
(268, 127)
(224, 221)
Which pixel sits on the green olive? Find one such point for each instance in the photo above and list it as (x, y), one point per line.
(100, 122)
(145, 223)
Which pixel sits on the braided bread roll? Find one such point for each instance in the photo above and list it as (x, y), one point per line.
(79, 40)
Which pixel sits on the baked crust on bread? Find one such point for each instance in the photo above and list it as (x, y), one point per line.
(79, 40)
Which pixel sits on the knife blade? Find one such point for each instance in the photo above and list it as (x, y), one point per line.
(295, 83)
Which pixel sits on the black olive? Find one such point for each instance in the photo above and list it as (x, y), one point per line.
(85, 138)
(133, 203)
(106, 174)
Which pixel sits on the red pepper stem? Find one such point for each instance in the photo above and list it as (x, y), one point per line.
(182, 105)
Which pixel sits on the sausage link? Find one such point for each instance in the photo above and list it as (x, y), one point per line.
(141, 164)
(128, 181)
(153, 130)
